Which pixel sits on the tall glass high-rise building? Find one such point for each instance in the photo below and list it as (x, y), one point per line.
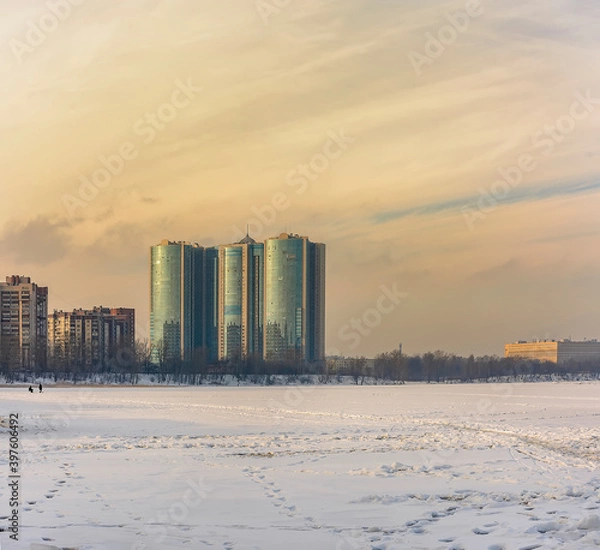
(294, 318)
(177, 308)
(241, 299)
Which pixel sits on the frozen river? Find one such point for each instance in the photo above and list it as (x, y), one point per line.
(481, 466)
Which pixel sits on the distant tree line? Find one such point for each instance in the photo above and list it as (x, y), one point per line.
(127, 364)
(439, 366)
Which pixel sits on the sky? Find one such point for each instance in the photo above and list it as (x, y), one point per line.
(445, 152)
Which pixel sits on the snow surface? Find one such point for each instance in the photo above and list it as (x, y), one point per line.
(482, 466)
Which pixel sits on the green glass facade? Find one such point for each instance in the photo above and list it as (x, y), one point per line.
(176, 307)
(294, 299)
(240, 300)
(231, 296)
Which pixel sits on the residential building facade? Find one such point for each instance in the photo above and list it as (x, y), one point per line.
(23, 323)
(100, 338)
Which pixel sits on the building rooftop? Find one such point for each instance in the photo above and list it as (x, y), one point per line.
(167, 242)
(14, 280)
(247, 240)
(563, 341)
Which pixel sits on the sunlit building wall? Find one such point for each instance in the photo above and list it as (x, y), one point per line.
(176, 300)
(294, 319)
(23, 323)
(231, 296)
(559, 352)
(100, 337)
(240, 299)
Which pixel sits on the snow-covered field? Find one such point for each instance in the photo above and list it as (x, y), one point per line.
(485, 466)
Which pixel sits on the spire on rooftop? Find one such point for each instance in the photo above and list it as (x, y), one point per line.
(247, 239)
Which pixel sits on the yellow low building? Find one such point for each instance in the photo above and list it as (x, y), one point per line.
(555, 351)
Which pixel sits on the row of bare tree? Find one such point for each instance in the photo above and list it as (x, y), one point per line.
(435, 366)
(440, 366)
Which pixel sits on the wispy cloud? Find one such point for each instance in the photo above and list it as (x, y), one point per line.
(519, 195)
